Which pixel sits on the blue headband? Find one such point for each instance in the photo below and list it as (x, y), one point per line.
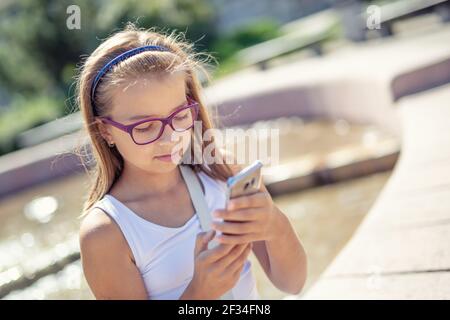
(118, 59)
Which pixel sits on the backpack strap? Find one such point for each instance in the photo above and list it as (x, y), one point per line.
(199, 202)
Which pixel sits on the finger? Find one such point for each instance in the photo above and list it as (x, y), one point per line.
(201, 241)
(254, 200)
(235, 274)
(237, 239)
(236, 227)
(214, 254)
(234, 253)
(240, 261)
(247, 214)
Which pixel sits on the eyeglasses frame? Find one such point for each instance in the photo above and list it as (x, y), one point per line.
(191, 104)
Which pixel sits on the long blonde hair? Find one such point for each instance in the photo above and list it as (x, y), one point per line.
(108, 161)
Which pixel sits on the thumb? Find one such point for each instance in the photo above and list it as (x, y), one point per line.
(201, 242)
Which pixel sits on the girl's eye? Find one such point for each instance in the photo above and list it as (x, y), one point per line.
(144, 127)
(182, 115)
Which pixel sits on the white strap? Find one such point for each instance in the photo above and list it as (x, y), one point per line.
(198, 199)
(197, 196)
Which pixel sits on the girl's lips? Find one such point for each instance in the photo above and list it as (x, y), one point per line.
(165, 158)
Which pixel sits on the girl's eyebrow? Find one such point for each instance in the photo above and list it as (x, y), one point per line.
(151, 116)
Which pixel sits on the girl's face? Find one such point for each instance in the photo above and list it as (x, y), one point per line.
(146, 97)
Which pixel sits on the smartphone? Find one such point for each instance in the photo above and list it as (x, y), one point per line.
(247, 181)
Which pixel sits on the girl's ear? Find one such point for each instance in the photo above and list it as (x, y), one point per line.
(102, 128)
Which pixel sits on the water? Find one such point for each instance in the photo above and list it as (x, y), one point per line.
(28, 244)
(39, 226)
(324, 219)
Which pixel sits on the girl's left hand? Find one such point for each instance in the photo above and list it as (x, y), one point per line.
(248, 218)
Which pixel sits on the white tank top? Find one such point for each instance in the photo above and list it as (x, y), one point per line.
(165, 255)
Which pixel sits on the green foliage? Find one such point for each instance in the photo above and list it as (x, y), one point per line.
(26, 113)
(256, 32)
(38, 51)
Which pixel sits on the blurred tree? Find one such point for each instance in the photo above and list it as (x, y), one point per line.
(246, 36)
(38, 53)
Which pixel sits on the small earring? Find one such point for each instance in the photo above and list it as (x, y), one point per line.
(111, 144)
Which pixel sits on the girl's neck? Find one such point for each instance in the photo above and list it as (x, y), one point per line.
(136, 184)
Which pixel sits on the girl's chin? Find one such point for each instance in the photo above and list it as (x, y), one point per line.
(162, 167)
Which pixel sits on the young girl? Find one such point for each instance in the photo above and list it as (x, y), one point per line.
(140, 237)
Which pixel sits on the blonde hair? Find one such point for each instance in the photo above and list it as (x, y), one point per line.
(108, 161)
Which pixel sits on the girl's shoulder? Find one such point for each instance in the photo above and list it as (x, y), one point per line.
(99, 231)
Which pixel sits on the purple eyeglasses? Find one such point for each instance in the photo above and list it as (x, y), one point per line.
(149, 130)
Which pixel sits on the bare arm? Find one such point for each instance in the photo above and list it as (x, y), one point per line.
(282, 258)
(107, 260)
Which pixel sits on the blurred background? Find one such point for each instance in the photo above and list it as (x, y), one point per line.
(359, 91)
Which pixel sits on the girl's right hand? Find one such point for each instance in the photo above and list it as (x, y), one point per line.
(217, 270)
